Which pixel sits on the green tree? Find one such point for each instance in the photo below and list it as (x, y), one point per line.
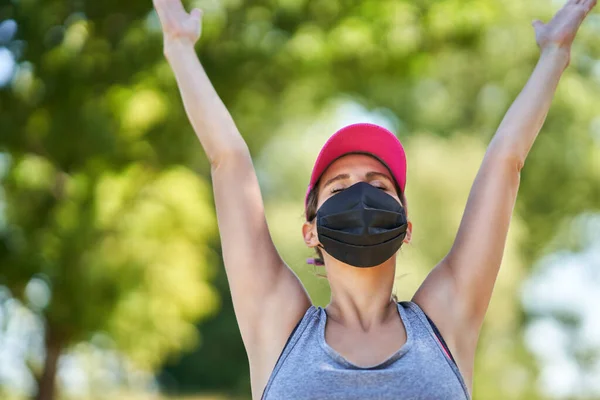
(94, 208)
(94, 102)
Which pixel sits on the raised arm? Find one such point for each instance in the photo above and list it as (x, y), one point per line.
(457, 292)
(267, 296)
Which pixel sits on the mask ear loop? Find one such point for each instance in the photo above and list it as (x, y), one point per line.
(315, 261)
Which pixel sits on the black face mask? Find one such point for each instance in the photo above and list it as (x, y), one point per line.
(362, 226)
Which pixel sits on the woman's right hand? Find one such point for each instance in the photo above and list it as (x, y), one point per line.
(177, 24)
(559, 33)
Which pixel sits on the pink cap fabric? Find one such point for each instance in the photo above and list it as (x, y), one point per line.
(364, 138)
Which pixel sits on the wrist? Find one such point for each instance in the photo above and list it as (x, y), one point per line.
(173, 46)
(556, 54)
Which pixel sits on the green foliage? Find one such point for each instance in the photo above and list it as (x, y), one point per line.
(123, 252)
(119, 232)
(98, 207)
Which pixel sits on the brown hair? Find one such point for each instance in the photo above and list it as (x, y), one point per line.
(312, 200)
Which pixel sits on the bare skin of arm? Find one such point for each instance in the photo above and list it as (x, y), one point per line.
(268, 297)
(456, 294)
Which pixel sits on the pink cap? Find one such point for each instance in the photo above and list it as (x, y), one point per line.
(364, 138)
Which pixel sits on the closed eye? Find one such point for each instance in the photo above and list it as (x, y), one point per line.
(379, 186)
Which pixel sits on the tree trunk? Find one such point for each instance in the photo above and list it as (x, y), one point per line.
(47, 380)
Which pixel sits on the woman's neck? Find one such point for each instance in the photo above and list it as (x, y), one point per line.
(361, 297)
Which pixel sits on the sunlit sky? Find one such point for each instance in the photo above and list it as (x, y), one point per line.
(567, 284)
(7, 66)
(8, 28)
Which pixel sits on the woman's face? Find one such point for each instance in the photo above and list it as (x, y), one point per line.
(352, 169)
(343, 173)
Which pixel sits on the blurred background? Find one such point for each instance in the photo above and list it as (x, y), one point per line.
(111, 278)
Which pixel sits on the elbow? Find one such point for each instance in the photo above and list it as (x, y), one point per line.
(515, 161)
(511, 157)
(230, 155)
(511, 150)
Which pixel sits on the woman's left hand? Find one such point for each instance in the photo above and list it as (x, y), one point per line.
(561, 30)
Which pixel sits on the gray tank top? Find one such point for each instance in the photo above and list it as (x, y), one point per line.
(309, 368)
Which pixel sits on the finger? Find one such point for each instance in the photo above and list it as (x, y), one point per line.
(586, 6)
(589, 4)
(161, 9)
(168, 8)
(537, 24)
(196, 14)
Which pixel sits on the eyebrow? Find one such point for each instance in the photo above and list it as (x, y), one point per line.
(375, 174)
(339, 177)
(369, 175)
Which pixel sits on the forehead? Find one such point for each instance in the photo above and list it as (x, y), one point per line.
(354, 164)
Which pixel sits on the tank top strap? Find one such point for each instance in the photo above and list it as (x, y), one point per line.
(410, 317)
(424, 330)
(293, 339)
(420, 316)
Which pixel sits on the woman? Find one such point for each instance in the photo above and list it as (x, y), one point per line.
(363, 344)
